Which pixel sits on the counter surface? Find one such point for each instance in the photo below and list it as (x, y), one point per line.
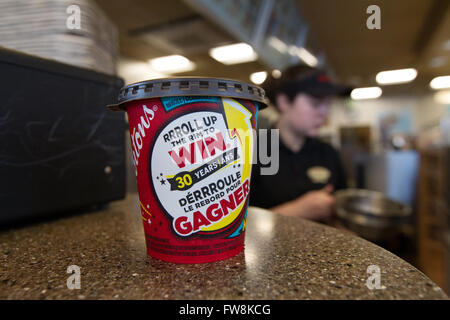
(284, 258)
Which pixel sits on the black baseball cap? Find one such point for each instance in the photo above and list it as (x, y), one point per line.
(304, 79)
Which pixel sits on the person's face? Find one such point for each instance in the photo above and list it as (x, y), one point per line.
(306, 114)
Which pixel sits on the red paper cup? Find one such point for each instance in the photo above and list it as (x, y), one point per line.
(192, 143)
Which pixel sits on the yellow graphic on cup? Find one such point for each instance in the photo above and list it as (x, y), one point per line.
(240, 128)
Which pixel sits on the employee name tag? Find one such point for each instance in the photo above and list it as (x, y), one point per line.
(318, 174)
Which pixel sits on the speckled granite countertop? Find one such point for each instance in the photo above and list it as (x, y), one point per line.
(284, 258)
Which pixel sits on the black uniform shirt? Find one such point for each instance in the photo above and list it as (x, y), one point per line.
(314, 166)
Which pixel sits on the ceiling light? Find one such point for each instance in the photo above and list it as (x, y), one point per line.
(293, 50)
(366, 93)
(258, 77)
(234, 53)
(132, 70)
(304, 55)
(276, 73)
(440, 83)
(278, 44)
(172, 64)
(442, 97)
(396, 76)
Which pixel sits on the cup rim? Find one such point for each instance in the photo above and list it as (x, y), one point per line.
(189, 86)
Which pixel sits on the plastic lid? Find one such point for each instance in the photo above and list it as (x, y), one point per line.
(189, 86)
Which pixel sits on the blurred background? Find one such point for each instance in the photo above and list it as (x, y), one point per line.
(393, 134)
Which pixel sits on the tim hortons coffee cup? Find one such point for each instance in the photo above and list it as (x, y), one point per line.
(192, 144)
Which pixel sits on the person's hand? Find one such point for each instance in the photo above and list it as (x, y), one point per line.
(316, 205)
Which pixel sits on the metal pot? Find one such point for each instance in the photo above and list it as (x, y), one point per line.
(370, 214)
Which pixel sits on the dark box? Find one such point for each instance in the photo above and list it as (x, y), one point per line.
(60, 148)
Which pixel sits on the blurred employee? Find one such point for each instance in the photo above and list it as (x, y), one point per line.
(310, 170)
